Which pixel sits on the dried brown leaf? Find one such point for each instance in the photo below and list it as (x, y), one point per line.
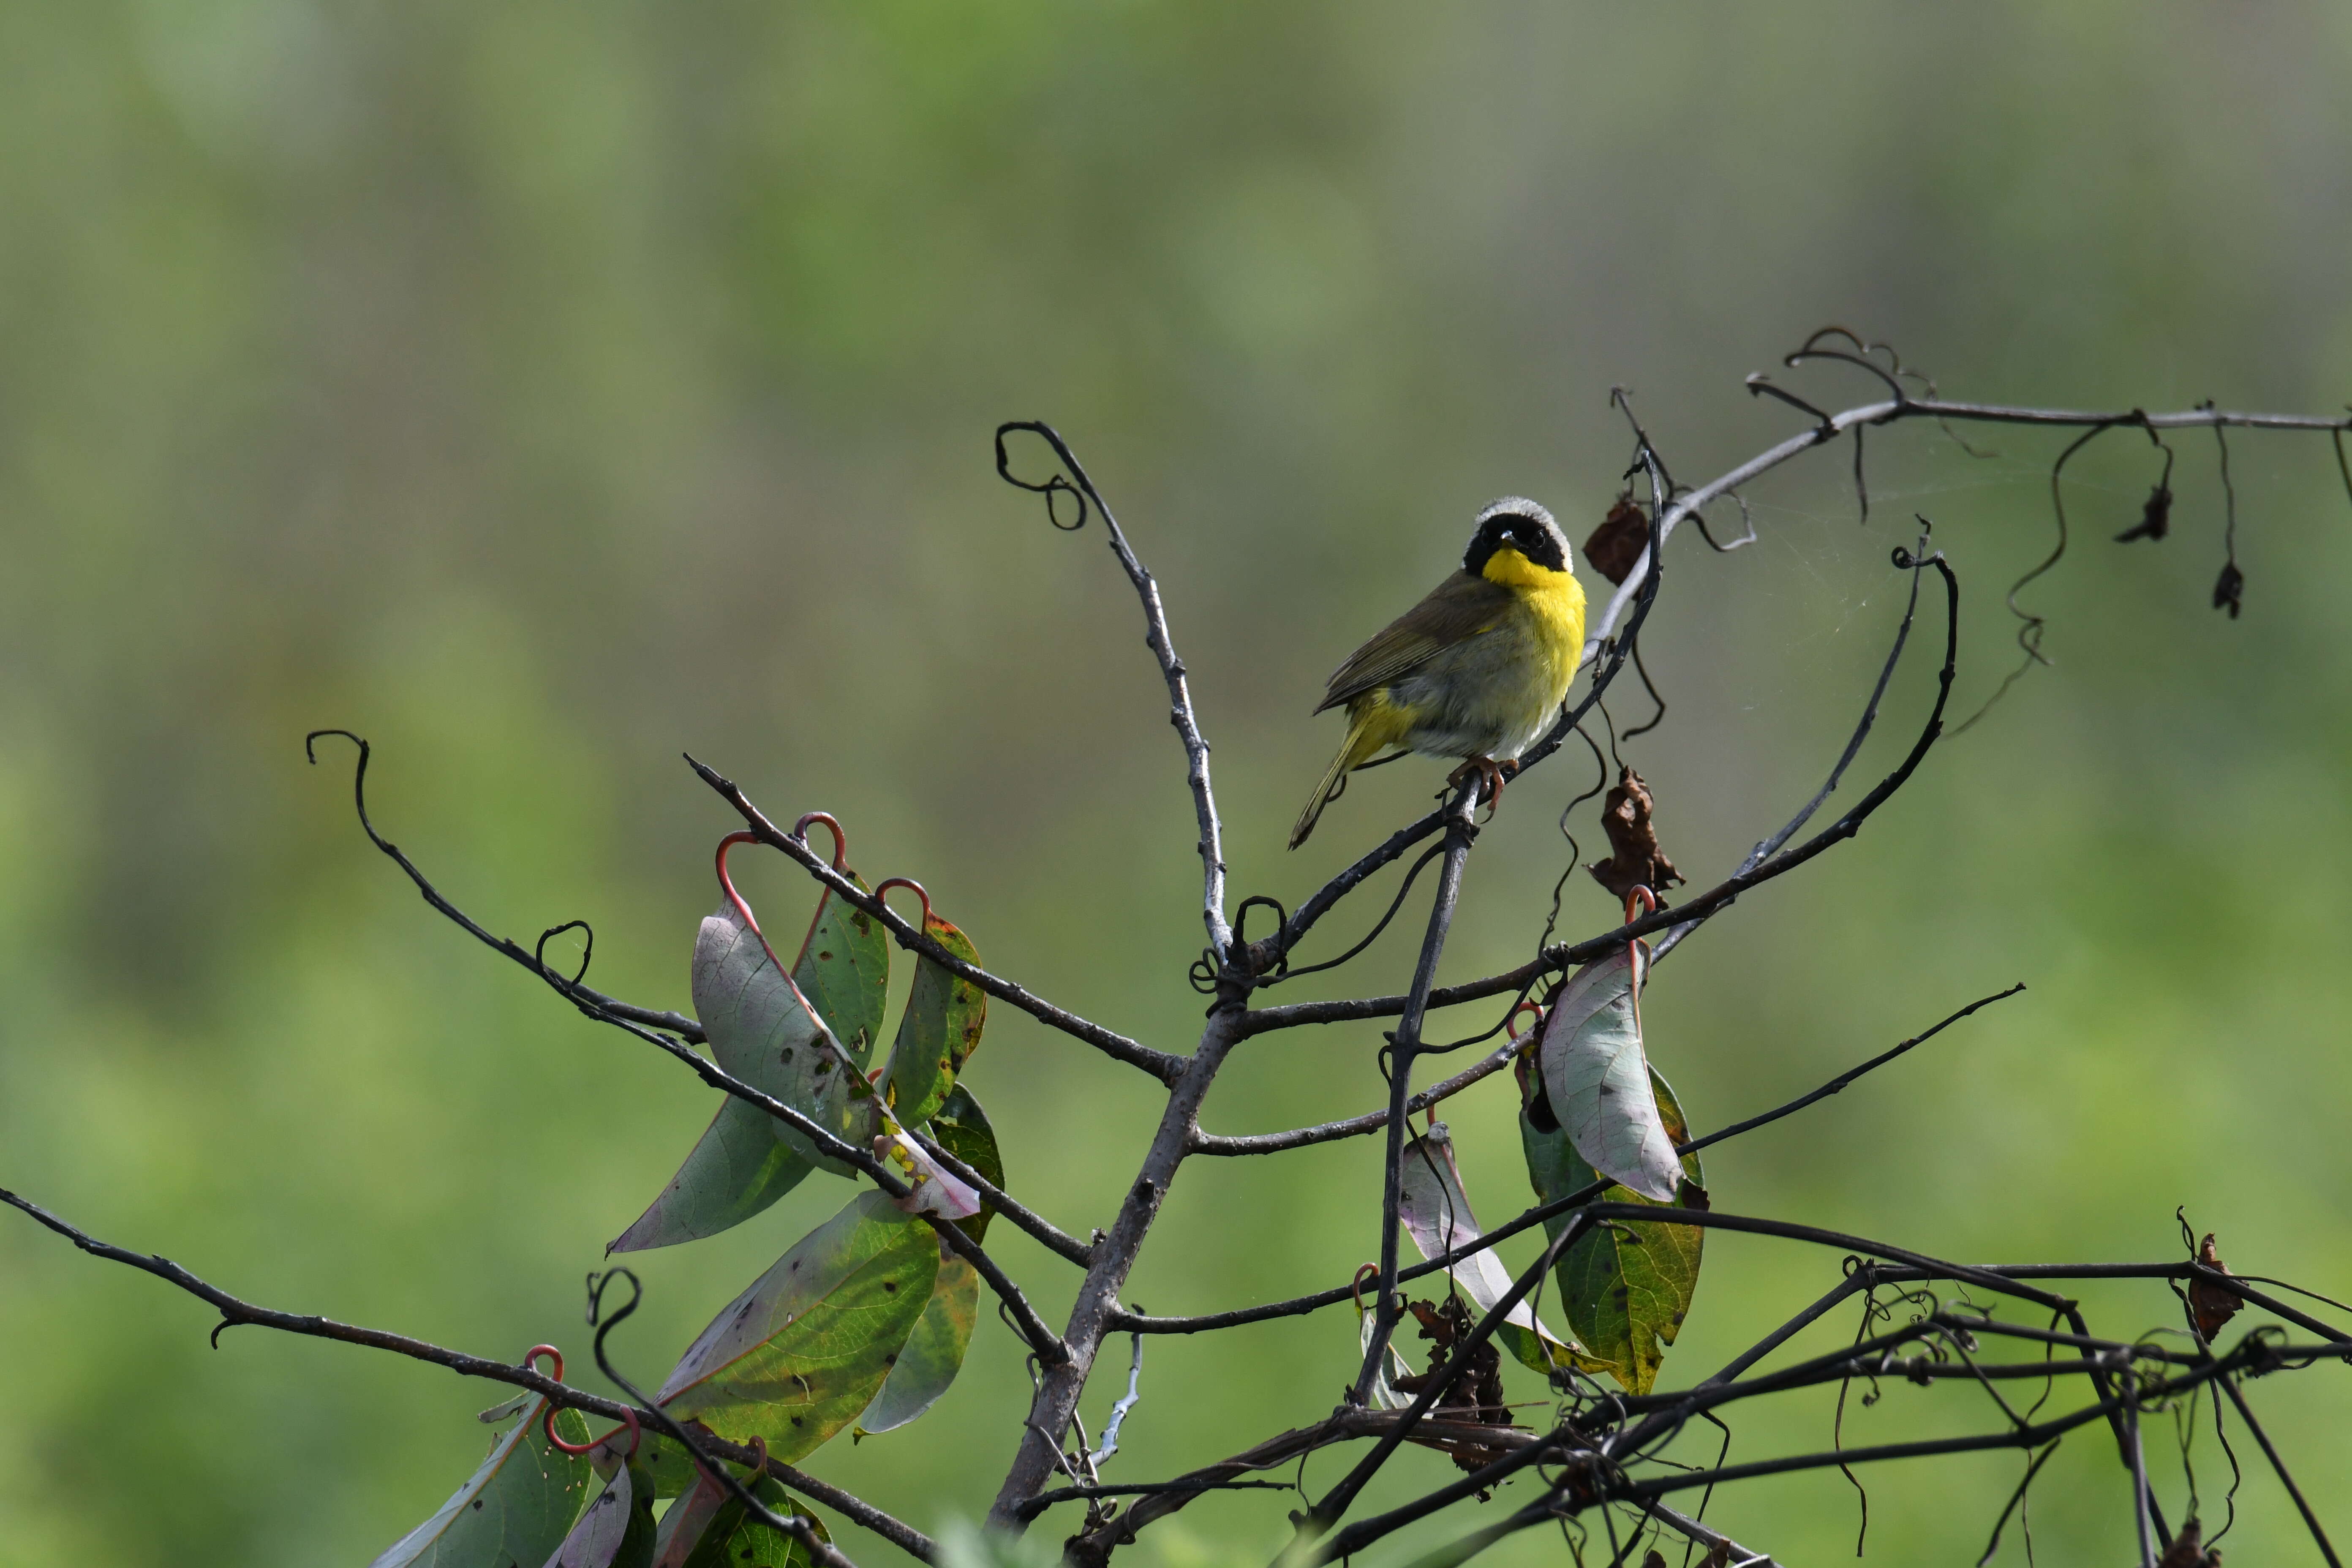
(2188, 1550)
(2214, 1304)
(1620, 539)
(1635, 858)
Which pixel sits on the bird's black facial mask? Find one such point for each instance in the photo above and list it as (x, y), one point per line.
(1522, 526)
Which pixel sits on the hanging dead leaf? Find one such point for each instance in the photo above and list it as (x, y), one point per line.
(2188, 1550)
(2155, 518)
(2230, 589)
(1636, 859)
(1617, 544)
(2214, 1304)
(1477, 1394)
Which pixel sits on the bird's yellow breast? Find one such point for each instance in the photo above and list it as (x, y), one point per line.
(1554, 604)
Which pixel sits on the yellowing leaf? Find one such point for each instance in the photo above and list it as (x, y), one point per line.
(1624, 1288)
(933, 1353)
(801, 1353)
(938, 1032)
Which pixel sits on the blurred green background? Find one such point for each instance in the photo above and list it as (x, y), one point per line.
(542, 390)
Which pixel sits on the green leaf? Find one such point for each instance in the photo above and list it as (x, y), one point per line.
(934, 1352)
(1624, 1288)
(1596, 1076)
(799, 1354)
(516, 1508)
(763, 1031)
(737, 1169)
(1435, 1212)
(938, 1032)
(659, 1468)
(615, 1530)
(961, 1127)
(734, 1538)
(844, 968)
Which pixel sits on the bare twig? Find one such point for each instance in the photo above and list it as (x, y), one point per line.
(2278, 1467)
(1172, 669)
(1403, 1045)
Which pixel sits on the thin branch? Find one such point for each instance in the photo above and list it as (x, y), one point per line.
(1405, 1044)
(1357, 1126)
(585, 997)
(1788, 829)
(1709, 1538)
(1159, 1064)
(235, 1311)
(1172, 669)
(1343, 1424)
(1838, 1084)
(2278, 1467)
(2016, 1498)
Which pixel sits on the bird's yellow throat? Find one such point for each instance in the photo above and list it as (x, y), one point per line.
(1557, 598)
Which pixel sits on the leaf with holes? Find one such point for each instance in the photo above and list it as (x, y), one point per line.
(963, 1129)
(843, 970)
(763, 1031)
(938, 1032)
(615, 1530)
(934, 1352)
(1624, 1288)
(1596, 1076)
(799, 1354)
(1435, 1212)
(517, 1507)
(737, 1170)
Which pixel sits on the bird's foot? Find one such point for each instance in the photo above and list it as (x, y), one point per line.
(1491, 775)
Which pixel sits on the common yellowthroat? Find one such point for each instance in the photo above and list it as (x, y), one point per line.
(1478, 668)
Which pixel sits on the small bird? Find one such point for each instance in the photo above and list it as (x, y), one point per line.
(1476, 669)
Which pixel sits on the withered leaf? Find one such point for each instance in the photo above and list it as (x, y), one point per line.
(1636, 859)
(2214, 1304)
(1620, 539)
(2230, 589)
(2155, 518)
(2188, 1550)
(1477, 1394)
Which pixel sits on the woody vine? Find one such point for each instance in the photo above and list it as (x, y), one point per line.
(865, 1322)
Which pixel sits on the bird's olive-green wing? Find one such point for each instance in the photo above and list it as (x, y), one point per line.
(1455, 611)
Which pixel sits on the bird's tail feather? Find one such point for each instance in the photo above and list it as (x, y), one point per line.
(1352, 751)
